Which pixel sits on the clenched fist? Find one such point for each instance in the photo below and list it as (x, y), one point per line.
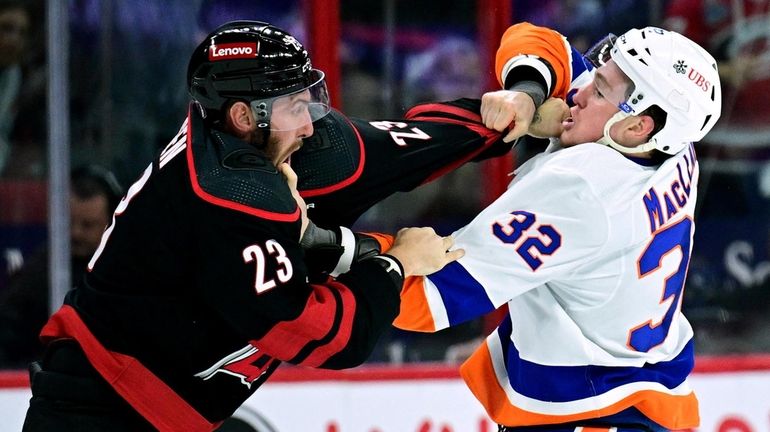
(505, 108)
(548, 119)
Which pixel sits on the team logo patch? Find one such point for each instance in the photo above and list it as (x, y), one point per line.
(680, 67)
(239, 50)
(247, 364)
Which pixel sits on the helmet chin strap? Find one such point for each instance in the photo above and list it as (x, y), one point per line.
(608, 141)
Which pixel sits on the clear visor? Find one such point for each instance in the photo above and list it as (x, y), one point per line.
(295, 110)
(598, 55)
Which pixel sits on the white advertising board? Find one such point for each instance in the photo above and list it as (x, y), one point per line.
(735, 401)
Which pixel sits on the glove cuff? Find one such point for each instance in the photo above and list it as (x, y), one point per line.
(348, 243)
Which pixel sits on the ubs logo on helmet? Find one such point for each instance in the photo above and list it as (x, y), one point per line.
(699, 80)
(238, 50)
(680, 67)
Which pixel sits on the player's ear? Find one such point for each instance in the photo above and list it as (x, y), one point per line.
(239, 119)
(637, 129)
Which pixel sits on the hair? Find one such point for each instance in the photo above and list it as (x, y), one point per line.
(89, 181)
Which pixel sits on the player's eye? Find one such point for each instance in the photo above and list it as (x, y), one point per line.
(298, 108)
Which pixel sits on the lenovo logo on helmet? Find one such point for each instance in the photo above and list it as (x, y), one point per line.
(231, 51)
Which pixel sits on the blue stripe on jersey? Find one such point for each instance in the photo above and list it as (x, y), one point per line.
(579, 64)
(568, 383)
(463, 296)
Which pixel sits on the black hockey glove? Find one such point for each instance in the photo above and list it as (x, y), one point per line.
(333, 252)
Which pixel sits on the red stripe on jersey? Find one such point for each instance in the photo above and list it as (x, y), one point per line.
(490, 136)
(264, 214)
(344, 330)
(348, 181)
(153, 399)
(415, 112)
(431, 112)
(287, 338)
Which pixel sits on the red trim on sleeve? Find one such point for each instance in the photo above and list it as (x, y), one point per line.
(345, 329)
(418, 110)
(348, 181)
(429, 112)
(146, 393)
(490, 136)
(264, 214)
(287, 338)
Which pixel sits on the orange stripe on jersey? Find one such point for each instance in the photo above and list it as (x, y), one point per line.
(670, 411)
(414, 314)
(525, 38)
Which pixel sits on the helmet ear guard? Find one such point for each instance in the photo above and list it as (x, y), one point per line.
(261, 110)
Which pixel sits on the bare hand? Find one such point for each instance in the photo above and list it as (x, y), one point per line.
(291, 179)
(503, 108)
(548, 119)
(421, 251)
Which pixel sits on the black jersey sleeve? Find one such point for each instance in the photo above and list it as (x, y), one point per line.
(257, 281)
(351, 164)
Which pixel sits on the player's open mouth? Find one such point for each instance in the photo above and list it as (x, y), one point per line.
(567, 123)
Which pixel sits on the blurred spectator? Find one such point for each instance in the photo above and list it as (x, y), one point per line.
(24, 304)
(737, 33)
(621, 15)
(14, 26)
(578, 20)
(449, 70)
(213, 13)
(728, 281)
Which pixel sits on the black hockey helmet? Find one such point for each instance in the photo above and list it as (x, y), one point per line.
(255, 62)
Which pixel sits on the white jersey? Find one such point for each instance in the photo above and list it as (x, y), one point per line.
(589, 249)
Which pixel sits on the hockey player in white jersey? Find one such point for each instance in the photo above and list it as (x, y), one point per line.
(589, 248)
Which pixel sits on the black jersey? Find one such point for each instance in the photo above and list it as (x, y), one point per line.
(350, 164)
(200, 278)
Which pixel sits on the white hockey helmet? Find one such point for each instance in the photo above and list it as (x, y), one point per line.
(674, 73)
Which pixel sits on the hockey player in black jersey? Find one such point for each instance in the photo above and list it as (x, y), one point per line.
(199, 289)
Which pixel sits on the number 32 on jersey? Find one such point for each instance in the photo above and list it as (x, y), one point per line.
(532, 241)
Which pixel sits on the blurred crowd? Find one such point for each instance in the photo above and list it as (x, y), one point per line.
(127, 67)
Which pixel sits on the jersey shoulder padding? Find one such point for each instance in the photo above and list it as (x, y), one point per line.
(232, 173)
